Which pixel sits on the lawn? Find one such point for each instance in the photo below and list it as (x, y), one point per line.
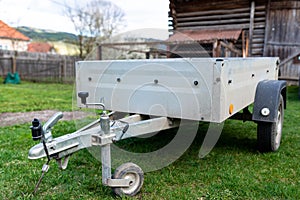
(233, 170)
(32, 97)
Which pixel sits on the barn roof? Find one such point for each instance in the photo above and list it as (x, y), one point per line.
(205, 35)
(11, 33)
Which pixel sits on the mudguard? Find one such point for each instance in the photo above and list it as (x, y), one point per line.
(267, 96)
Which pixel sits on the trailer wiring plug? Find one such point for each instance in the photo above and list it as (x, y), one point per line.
(43, 133)
(37, 134)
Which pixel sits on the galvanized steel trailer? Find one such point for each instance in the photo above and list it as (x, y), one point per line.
(196, 89)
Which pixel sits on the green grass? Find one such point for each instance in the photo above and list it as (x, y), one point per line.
(233, 170)
(27, 96)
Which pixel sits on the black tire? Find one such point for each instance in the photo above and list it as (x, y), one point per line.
(269, 133)
(129, 171)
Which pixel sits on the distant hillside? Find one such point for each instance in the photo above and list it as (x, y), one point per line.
(47, 35)
(66, 43)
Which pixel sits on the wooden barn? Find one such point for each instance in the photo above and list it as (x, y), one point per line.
(239, 28)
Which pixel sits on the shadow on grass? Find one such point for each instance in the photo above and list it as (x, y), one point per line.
(235, 136)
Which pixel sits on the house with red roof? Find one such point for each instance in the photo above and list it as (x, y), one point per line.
(11, 39)
(41, 47)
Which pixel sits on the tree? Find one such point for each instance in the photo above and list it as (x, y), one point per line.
(95, 21)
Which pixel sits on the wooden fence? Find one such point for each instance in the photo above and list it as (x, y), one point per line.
(38, 67)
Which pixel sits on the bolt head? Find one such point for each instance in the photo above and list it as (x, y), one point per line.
(265, 112)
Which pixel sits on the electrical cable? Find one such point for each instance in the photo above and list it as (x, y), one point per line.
(45, 168)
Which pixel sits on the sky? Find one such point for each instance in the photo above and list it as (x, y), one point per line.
(48, 14)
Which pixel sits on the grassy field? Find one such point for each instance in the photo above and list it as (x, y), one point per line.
(233, 170)
(32, 97)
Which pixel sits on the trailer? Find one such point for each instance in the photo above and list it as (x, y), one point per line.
(169, 90)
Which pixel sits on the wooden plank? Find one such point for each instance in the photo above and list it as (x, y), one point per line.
(14, 64)
(214, 27)
(34, 60)
(223, 20)
(259, 19)
(251, 27)
(260, 13)
(212, 12)
(291, 57)
(217, 22)
(259, 31)
(288, 78)
(259, 36)
(262, 7)
(259, 25)
(284, 5)
(244, 44)
(99, 52)
(284, 44)
(211, 17)
(191, 52)
(258, 40)
(257, 52)
(257, 46)
(204, 5)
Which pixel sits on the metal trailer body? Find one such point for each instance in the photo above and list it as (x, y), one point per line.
(201, 89)
(196, 89)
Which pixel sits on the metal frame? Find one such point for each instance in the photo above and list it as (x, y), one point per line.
(94, 135)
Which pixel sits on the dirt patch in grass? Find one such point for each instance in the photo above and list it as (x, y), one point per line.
(9, 119)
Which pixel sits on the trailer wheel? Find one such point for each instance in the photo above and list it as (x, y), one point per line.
(129, 171)
(269, 133)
